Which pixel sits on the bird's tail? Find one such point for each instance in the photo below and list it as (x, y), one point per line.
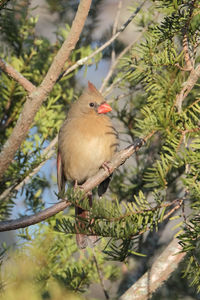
(83, 240)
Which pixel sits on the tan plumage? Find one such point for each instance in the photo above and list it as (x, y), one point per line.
(87, 139)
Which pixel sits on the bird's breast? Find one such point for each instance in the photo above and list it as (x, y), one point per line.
(85, 146)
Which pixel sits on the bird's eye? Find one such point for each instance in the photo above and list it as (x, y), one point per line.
(91, 104)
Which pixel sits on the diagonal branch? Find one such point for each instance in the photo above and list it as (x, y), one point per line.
(91, 183)
(160, 271)
(115, 63)
(14, 74)
(39, 95)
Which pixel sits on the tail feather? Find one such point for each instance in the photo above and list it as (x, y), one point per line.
(83, 240)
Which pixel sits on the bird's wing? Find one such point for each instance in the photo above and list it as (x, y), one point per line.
(104, 185)
(60, 175)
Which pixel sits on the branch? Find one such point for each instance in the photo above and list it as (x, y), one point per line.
(82, 61)
(160, 271)
(115, 63)
(14, 74)
(101, 279)
(91, 183)
(188, 85)
(189, 66)
(113, 54)
(33, 219)
(188, 61)
(37, 97)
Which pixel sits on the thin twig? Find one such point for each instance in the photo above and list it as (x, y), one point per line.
(82, 61)
(114, 30)
(100, 275)
(47, 153)
(114, 65)
(116, 20)
(113, 49)
(14, 74)
(92, 182)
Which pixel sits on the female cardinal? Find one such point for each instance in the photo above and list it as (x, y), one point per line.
(87, 140)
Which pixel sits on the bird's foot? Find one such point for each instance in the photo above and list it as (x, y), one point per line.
(76, 184)
(106, 167)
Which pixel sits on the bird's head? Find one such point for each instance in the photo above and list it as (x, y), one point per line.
(91, 101)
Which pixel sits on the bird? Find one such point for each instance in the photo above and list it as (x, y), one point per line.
(87, 141)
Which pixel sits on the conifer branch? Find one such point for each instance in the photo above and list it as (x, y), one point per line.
(159, 272)
(177, 203)
(39, 95)
(14, 74)
(91, 183)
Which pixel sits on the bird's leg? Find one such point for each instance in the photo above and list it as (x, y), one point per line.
(75, 184)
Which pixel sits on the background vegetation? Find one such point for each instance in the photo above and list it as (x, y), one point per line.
(153, 86)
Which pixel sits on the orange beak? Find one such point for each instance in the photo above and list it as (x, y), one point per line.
(104, 108)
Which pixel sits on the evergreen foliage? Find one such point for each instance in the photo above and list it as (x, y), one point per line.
(144, 192)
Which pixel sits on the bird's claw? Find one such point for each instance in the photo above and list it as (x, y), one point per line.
(106, 167)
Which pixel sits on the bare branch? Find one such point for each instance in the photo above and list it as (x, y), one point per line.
(160, 271)
(82, 61)
(33, 219)
(14, 74)
(114, 30)
(92, 182)
(36, 98)
(116, 20)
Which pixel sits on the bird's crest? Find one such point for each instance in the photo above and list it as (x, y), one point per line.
(91, 87)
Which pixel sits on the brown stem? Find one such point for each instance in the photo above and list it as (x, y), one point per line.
(14, 74)
(101, 279)
(188, 85)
